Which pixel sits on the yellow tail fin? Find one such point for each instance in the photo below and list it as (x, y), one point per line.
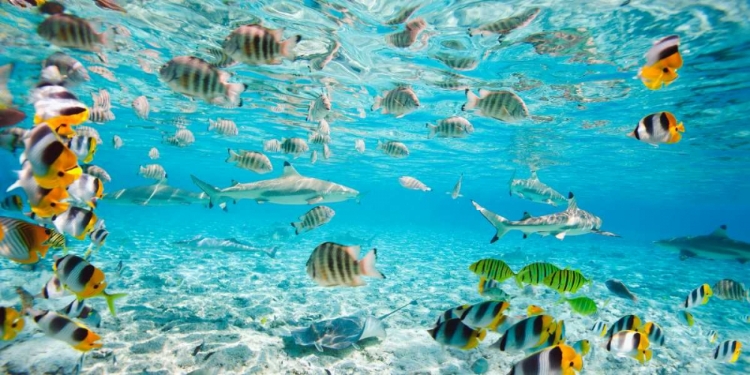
(111, 300)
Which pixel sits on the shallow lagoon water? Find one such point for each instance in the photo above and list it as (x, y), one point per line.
(239, 308)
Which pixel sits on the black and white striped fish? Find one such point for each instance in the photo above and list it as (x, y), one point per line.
(412, 183)
(181, 138)
(98, 172)
(398, 101)
(506, 25)
(502, 105)
(318, 138)
(153, 153)
(88, 131)
(294, 146)
(464, 63)
(223, 127)
(451, 127)
(53, 289)
(100, 115)
(67, 30)
(141, 107)
(102, 99)
(221, 59)
(394, 149)
(84, 147)
(78, 310)
(153, 171)
(331, 264)
(98, 236)
(257, 45)
(324, 127)
(407, 37)
(314, 218)
(728, 289)
(272, 145)
(319, 108)
(70, 68)
(195, 77)
(250, 160)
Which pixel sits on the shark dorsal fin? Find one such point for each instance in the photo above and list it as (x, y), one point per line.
(720, 231)
(534, 176)
(526, 215)
(572, 205)
(289, 170)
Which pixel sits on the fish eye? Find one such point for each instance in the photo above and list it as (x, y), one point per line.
(53, 204)
(47, 231)
(665, 70)
(60, 174)
(96, 286)
(14, 325)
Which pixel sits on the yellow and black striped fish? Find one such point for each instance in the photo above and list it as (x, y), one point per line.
(599, 328)
(728, 351)
(62, 328)
(331, 264)
(559, 359)
(457, 334)
(494, 269)
(84, 147)
(698, 296)
(534, 273)
(527, 333)
(12, 203)
(12, 323)
(565, 280)
(625, 323)
(487, 314)
(630, 344)
(83, 279)
(23, 242)
(654, 332)
(52, 163)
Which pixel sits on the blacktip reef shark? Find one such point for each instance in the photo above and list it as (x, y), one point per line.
(715, 246)
(226, 244)
(290, 188)
(535, 190)
(158, 194)
(571, 222)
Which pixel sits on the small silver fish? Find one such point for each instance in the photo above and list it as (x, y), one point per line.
(359, 145)
(223, 127)
(153, 153)
(141, 107)
(412, 183)
(116, 142)
(272, 145)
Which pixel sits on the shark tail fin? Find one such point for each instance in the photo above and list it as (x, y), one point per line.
(212, 191)
(500, 223)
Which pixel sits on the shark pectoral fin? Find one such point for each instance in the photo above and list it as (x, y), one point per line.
(261, 200)
(560, 236)
(314, 200)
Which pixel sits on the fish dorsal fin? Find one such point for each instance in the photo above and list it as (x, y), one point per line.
(572, 205)
(720, 231)
(289, 170)
(235, 182)
(526, 215)
(353, 251)
(534, 176)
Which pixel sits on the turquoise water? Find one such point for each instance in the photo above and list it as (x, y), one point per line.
(243, 306)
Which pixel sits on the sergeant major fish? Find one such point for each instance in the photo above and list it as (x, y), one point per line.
(250, 160)
(314, 218)
(412, 183)
(398, 102)
(501, 105)
(345, 269)
(256, 45)
(195, 77)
